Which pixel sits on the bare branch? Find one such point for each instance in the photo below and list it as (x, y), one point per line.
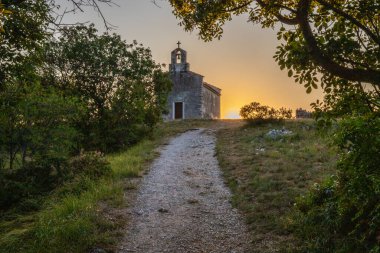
(155, 3)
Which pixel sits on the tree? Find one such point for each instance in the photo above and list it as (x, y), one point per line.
(124, 89)
(3, 13)
(333, 43)
(56, 15)
(257, 113)
(25, 25)
(36, 122)
(37, 137)
(24, 31)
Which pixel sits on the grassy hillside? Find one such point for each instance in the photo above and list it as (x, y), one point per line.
(266, 175)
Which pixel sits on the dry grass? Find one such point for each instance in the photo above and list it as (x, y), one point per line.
(266, 175)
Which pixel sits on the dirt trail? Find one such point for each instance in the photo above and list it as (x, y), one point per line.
(183, 204)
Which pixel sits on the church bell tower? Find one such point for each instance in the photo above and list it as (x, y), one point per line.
(179, 60)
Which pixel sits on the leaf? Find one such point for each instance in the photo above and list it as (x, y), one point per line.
(290, 73)
(308, 90)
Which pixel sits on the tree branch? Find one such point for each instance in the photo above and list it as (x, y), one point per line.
(77, 5)
(353, 20)
(8, 3)
(279, 16)
(360, 75)
(236, 8)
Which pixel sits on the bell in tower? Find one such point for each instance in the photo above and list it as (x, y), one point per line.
(178, 60)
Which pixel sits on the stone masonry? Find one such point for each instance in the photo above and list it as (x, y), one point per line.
(191, 97)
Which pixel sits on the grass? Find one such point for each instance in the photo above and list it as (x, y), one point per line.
(79, 215)
(266, 175)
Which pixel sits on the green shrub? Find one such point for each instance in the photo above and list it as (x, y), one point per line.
(255, 113)
(37, 178)
(343, 214)
(10, 191)
(89, 164)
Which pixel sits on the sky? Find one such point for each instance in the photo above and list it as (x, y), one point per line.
(241, 63)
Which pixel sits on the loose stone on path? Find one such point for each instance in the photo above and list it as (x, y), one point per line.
(183, 204)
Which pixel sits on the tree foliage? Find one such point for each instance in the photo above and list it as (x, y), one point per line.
(24, 32)
(3, 13)
(333, 44)
(36, 123)
(123, 88)
(55, 10)
(256, 113)
(37, 137)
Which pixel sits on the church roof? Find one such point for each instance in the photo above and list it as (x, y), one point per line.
(194, 73)
(212, 88)
(179, 49)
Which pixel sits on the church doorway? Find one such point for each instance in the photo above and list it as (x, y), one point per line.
(178, 110)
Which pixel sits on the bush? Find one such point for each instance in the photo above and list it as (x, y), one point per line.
(343, 214)
(23, 185)
(89, 164)
(10, 191)
(256, 113)
(30, 181)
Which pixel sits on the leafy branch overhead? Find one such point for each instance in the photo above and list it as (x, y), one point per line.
(332, 43)
(3, 13)
(57, 12)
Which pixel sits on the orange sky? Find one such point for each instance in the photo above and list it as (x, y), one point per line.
(241, 63)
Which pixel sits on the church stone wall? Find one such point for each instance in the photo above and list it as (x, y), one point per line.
(187, 88)
(211, 104)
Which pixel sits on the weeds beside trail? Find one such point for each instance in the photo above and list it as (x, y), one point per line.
(72, 219)
(76, 217)
(266, 175)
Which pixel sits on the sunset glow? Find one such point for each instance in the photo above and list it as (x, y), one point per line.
(241, 63)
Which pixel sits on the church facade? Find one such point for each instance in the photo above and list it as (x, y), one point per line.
(191, 97)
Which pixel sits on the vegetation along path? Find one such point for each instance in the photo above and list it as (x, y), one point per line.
(183, 204)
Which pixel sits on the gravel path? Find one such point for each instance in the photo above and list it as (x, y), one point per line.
(183, 204)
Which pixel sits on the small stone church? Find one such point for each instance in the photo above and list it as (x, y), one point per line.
(191, 97)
